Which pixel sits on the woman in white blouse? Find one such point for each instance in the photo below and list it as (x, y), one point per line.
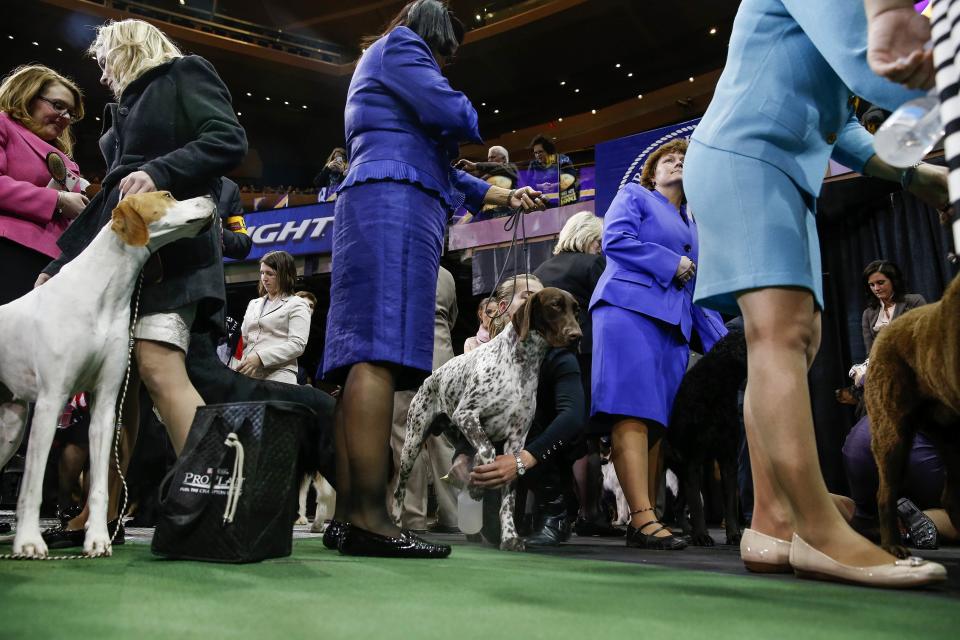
(277, 324)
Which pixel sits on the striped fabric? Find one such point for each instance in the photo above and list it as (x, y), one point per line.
(946, 47)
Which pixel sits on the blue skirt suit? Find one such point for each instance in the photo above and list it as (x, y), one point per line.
(782, 108)
(643, 320)
(403, 125)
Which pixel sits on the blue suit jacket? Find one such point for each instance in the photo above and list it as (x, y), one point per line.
(643, 240)
(404, 122)
(785, 95)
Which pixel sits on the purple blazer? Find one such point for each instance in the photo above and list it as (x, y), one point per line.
(27, 206)
(643, 240)
(403, 121)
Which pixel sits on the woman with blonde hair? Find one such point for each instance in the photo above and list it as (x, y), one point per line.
(576, 267)
(172, 128)
(38, 107)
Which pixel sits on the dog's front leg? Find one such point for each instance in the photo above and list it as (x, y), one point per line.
(692, 482)
(102, 425)
(469, 423)
(28, 541)
(509, 539)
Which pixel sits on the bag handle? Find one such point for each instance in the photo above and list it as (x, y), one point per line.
(236, 483)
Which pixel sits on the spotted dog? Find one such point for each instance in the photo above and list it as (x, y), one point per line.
(490, 394)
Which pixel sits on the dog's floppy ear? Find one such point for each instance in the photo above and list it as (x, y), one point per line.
(523, 317)
(129, 224)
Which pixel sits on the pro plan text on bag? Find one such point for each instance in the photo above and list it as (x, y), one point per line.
(231, 495)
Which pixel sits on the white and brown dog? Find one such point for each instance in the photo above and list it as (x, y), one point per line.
(72, 334)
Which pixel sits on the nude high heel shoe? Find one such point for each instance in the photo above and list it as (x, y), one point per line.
(807, 562)
(764, 554)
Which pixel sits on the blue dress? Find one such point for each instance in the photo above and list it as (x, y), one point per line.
(782, 108)
(643, 320)
(403, 127)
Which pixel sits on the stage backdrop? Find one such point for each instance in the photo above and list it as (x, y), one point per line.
(621, 161)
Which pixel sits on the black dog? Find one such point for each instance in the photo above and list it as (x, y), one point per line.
(705, 426)
(216, 383)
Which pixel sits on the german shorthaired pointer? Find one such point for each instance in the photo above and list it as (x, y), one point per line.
(490, 393)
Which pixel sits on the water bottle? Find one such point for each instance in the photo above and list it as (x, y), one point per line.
(469, 513)
(910, 133)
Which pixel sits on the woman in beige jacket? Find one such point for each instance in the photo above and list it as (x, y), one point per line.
(277, 324)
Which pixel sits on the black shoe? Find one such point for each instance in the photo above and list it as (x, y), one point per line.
(360, 542)
(922, 531)
(68, 514)
(597, 528)
(636, 538)
(554, 530)
(333, 533)
(61, 538)
(442, 528)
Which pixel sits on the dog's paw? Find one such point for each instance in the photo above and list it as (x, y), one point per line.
(301, 520)
(701, 540)
(96, 542)
(734, 537)
(319, 526)
(898, 550)
(29, 545)
(512, 544)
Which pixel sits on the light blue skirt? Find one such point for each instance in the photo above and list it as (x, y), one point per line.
(757, 228)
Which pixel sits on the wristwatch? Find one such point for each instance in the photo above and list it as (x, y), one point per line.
(521, 468)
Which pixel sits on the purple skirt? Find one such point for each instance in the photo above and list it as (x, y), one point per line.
(386, 253)
(638, 364)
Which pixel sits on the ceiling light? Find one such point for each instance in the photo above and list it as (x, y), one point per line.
(239, 114)
(183, 2)
(36, 44)
(286, 102)
(690, 78)
(630, 75)
(9, 36)
(593, 111)
(559, 119)
(563, 82)
(618, 65)
(576, 90)
(514, 131)
(640, 96)
(304, 106)
(60, 49)
(713, 31)
(483, 104)
(97, 118)
(268, 97)
(249, 94)
(478, 17)
(496, 110)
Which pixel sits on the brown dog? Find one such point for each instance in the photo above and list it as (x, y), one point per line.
(913, 381)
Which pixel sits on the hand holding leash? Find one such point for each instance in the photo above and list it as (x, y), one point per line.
(527, 198)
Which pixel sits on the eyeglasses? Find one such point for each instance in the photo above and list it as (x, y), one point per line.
(60, 107)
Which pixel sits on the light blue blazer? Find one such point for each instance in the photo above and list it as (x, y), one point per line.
(799, 117)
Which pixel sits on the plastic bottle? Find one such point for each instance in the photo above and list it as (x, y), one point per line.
(910, 133)
(469, 513)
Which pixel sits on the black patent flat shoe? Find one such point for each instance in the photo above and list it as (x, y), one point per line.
(333, 533)
(921, 529)
(62, 538)
(360, 542)
(636, 538)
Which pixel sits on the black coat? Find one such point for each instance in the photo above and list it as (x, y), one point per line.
(576, 273)
(176, 123)
(236, 241)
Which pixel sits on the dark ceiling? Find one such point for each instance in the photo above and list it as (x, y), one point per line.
(512, 66)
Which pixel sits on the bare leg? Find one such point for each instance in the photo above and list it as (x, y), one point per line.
(782, 333)
(367, 416)
(164, 372)
(629, 455)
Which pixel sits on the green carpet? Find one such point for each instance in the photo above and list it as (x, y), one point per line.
(477, 593)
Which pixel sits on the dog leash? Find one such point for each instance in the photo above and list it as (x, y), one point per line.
(116, 444)
(515, 222)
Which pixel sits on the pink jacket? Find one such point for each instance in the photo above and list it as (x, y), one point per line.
(27, 206)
